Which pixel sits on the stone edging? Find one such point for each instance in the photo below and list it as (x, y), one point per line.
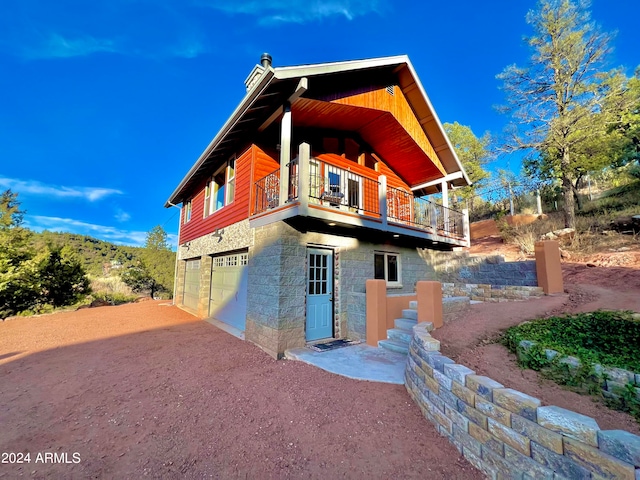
(491, 293)
(503, 432)
(614, 381)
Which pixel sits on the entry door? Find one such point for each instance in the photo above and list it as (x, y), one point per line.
(319, 294)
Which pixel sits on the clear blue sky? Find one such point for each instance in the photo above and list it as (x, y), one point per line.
(105, 104)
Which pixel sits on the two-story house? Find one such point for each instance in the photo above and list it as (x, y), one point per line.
(317, 182)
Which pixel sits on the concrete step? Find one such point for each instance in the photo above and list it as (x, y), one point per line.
(410, 314)
(399, 335)
(404, 323)
(394, 346)
(413, 304)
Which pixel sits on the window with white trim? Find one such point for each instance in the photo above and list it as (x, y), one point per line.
(187, 211)
(387, 267)
(220, 191)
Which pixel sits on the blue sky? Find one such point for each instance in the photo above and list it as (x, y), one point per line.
(105, 104)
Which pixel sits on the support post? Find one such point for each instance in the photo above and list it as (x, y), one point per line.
(445, 204)
(430, 302)
(382, 199)
(548, 267)
(466, 229)
(376, 322)
(538, 201)
(285, 153)
(304, 153)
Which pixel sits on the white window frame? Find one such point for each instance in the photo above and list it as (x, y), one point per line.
(212, 188)
(188, 209)
(391, 284)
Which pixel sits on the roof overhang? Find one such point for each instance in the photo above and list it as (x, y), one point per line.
(276, 86)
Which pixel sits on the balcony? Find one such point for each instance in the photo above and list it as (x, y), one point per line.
(339, 196)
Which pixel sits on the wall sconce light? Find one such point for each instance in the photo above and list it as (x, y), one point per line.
(218, 233)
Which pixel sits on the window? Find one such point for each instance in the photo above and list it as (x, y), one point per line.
(187, 211)
(221, 189)
(387, 267)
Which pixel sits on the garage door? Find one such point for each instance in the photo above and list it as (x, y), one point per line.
(191, 284)
(228, 297)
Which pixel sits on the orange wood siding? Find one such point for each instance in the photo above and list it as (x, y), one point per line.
(393, 180)
(235, 212)
(398, 106)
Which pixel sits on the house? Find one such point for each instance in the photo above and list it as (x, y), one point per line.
(318, 181)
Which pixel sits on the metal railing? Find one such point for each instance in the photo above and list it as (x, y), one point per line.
(267, 192)
(404, 208)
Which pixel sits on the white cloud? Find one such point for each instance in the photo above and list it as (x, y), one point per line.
(57, 46)
(39, 223)
(122, 216)
(296, 11)
(35, 187)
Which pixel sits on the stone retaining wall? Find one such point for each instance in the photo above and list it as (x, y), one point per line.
(491, 293)
(508, 434)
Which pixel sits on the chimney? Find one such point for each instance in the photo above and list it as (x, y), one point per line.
(266, 60)
(258, 70)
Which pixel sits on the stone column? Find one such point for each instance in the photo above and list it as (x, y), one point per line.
(376, 311)
(548, 267)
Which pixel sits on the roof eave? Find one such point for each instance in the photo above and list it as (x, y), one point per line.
(237, 114)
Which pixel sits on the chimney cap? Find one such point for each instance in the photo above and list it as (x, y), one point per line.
(265, 60)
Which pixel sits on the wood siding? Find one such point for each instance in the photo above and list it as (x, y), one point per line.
(399, 107)
(235, 212)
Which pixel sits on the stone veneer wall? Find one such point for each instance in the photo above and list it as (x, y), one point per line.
(508, 434)
(460, 268)
(491, 293)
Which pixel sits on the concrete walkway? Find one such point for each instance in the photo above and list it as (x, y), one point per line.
(360, 362)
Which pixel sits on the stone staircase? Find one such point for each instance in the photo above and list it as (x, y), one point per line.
(399, 337)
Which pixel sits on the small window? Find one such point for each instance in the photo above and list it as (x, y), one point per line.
(387, 267)
(221, 189)
(187, 211)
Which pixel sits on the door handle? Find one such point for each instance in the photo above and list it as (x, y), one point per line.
(331, 297)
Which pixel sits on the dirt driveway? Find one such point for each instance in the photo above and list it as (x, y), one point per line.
(147, 390)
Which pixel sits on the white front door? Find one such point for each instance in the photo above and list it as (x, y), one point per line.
(319, 294)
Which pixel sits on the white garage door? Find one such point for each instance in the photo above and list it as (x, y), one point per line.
(191, 284)
(228, 297)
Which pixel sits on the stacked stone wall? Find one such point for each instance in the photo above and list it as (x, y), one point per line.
(462, 268)
(491, 293)
(508, 434)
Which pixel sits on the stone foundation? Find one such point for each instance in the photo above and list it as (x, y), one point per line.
(508, 434)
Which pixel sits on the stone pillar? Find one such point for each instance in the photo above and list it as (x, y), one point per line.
(205, 285)
(548, 267)
(429, 302)
(178, 297)
(376, 311)
(285, 153)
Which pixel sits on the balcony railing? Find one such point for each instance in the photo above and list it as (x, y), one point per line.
(331, 187)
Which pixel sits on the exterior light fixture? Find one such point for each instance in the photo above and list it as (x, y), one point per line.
(332, 224)
(396, 236)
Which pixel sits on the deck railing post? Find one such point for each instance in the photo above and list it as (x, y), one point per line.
(382, 198)
(304, 154)
(466, 230)
(285, 153)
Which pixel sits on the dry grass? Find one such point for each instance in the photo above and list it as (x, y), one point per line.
(109, 285)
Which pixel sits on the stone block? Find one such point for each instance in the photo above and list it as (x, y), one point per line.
(472, 414)
(482, 386)
(619, 375)
(442, 419)
(436, 400)
(432, 384)
(550, 354)
(509, 437)
(477, 462)
(457, 372)
(560, 464)
(572, 363)
(500, 465)
(437, 362)
(620, 444)
(516, 402)
(499, 414)
(542, 436)
(527, 465)
(571, 424)
(424, 340)
(422, 355)
(442, 379)
(466, 440)
(486, 439)
(616, 388)
(463, 393)
(449, 398)
(599, 463)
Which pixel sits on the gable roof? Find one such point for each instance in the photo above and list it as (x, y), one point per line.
(272, 87)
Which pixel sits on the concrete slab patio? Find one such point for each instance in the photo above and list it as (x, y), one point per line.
(359, 362)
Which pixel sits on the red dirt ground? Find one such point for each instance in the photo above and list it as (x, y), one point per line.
(147, 390)
(602, 281)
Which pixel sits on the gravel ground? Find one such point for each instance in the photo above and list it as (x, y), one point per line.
(147, 390)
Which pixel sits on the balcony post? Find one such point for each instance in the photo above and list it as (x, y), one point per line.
(285, 153)
(433, 216)
(466, 230)
(304, 154)
(445, 204)
(382, 199)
